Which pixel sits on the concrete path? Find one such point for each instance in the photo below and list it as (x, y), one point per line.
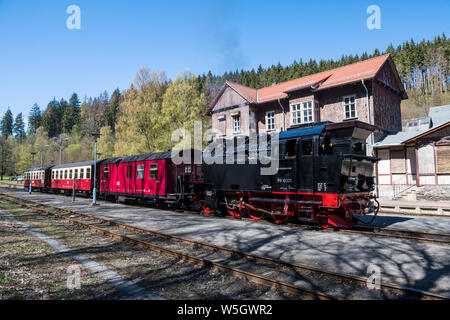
(423, 266)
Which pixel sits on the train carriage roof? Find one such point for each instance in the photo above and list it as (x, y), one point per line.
(76, 164)
(38, 169)
(142, 157)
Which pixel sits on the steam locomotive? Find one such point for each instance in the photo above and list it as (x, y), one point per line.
(321, 174)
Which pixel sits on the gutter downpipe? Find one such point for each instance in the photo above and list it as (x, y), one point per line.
(368, 115)
(284, 115)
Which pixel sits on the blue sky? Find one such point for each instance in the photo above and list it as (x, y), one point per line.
(40, 58)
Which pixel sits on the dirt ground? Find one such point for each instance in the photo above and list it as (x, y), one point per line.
(31, 269)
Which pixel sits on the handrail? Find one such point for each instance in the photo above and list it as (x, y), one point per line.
(401, 185)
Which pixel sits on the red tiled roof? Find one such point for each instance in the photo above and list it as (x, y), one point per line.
(366, 69)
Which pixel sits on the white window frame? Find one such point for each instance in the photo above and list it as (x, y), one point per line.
(236, 128)
(344, 107)
(270, 122)
(105, 170)
(298, 112)
(140, 171)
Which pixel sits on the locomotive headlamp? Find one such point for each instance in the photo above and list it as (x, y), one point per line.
(352, 180)
(351, 183)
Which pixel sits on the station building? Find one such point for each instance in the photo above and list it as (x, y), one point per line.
(370, 91)
(415, 163)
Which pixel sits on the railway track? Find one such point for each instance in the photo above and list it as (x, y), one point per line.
(291, 278)
(364, 230)
(376, 231)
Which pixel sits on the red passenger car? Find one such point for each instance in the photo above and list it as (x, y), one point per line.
(63, 177)
(39, 177)
(150, 176)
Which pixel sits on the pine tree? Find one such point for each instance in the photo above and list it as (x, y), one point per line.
(113, 109)
(6, 164)
(7, 124)
(34, 119)
(19, 127)
(51, 119)
(71, 113)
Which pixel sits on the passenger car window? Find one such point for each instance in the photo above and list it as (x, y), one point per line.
(65, 174)
(154, 171)
(140, 171)
(88, 173)
(82, 173)
(105, 172)
(76, 174)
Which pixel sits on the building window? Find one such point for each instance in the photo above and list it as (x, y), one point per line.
(105, 172)
(236, 123)
(302, 113)
(140, 171)
(129, 171)
(296, 114)
(270, 120)
(349, 107)
(154, 171)
(307, 112)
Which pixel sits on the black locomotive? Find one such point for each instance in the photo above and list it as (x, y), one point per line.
(323, 175)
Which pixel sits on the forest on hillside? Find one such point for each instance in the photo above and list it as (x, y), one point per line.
(142, 118)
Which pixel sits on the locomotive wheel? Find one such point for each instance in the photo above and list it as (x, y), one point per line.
(236, 213)
(207, 211)
(280, 218)
(256, 215)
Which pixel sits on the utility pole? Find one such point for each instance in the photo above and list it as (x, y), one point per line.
(32, 169)
(42, 155)
(61, 140)
(94, 195)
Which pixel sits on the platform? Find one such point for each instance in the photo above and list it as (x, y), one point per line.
(422, 207)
